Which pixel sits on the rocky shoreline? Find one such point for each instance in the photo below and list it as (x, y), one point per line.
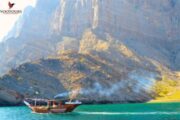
(5, 104)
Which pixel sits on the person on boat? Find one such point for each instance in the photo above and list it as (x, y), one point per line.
(54, 104)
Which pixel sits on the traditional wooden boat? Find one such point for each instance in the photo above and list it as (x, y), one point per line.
(51, 106)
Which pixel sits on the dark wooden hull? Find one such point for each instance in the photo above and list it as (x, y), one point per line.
(63, 109)
(39, 109)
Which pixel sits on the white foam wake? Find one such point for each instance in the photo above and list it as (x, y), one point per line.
(130, 113)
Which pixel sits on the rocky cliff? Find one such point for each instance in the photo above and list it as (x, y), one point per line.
(120, 45)
(86, 74)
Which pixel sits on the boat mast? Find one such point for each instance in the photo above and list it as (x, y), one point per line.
(35, 102)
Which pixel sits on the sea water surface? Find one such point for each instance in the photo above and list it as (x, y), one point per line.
(158, 111)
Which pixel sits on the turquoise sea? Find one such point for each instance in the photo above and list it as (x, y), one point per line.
(160, 111)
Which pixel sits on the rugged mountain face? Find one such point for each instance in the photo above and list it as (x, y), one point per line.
(130, 40)
(149, 25)
(82, 73)
(24, 43)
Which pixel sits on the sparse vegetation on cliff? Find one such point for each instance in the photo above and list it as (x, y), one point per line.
(167, 89)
